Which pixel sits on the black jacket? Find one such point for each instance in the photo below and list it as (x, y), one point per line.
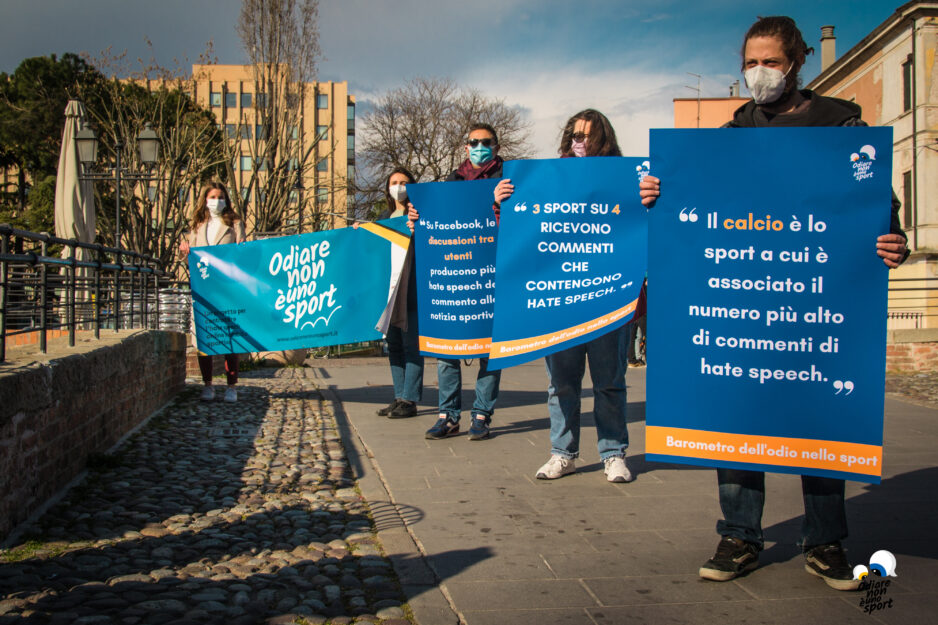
(822, 111)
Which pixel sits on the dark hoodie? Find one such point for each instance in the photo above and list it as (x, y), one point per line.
(821, 111)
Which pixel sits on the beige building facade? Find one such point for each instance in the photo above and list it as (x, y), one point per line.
(891, 74)
(323, 122)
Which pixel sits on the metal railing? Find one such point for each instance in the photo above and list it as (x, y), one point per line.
(89, 287)
(913, 303)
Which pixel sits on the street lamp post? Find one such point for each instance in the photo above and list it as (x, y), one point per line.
(148, 145)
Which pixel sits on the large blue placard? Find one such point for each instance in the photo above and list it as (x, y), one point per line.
(767, 301)
(455, 263)
(308, 290)
(572, 253)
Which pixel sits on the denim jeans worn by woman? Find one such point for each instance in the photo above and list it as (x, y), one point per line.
(607, 356)
(406, 360)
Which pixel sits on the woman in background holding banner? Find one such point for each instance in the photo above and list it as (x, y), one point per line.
(403, 342)
(214, 222)
(588, 133)
(773, 53)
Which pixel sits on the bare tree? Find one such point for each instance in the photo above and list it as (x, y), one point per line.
(155, 215)
(281, 39)
(423, 126)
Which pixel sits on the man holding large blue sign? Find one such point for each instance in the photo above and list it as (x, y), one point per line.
(482, 163)
(773, 53)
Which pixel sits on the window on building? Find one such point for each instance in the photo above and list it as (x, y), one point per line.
(260, 131)
(323, 165)
(322, 195)
(322, 133)
(231, 100)
(231, 131)
(260, 100)
(294, 132)
(293, 197)
(245, 132)
(247, 163)
(245, 100)
(262, 164)
(245, 195)
(351, 117)
(351, 172)
(322, 101)
(215, 98)
(351, 147)
(261, 195)
(907, 78)
(294, 164)
(907, 201)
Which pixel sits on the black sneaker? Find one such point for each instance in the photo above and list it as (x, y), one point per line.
(383, 412)
(829, 562)
(733, 558)
(443, 427)
(479, 428)
(403, 409)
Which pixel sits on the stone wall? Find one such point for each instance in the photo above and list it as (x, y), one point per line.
(912, 350)
(57, 409)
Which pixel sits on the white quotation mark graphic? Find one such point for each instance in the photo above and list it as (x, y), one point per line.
(691, 216)
(520, 208)
(841, 385)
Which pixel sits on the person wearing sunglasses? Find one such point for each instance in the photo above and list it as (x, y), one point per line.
(482, 161)
(773, 54)
(588, 133)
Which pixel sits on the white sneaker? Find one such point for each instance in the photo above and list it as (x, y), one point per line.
(616, 470)
(557, 466)
(208, 393)
(231, 395)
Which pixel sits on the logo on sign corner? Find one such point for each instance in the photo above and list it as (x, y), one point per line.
(643, 170)
(863, 162)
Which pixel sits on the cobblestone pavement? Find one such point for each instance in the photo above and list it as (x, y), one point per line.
(921, 387)
(211, 513)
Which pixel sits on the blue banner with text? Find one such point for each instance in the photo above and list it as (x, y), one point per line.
(455, 263)
(572, 254)
(308, 290)
(767, 300)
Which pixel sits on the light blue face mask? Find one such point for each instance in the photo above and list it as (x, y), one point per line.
(480, 155)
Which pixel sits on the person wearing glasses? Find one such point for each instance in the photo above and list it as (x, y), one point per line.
(773, 54)
(482, 161)
(588, 133)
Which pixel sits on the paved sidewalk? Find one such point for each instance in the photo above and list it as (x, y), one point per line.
(502, 547)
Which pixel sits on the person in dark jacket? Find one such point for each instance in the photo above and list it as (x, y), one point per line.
(773, 53)
(482, 161)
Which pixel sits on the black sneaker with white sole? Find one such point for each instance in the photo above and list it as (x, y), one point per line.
(829, 562)
(734, 557)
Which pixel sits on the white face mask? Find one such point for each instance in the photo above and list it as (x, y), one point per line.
(398, 192)
(765, 84)
(215, 205)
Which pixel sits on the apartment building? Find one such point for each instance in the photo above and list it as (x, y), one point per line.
(891, 74)
(323, 120)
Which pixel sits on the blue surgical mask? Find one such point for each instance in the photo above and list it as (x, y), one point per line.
(480, 155)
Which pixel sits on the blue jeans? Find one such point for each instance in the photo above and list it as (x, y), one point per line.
(742, 496)
(404, 354)
(449, 376)
(608, 363)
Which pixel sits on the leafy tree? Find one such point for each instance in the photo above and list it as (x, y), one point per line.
(32, 115)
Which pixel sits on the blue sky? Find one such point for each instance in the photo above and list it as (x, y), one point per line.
(626, 58)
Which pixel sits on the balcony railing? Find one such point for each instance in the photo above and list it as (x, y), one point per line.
(43, 295)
